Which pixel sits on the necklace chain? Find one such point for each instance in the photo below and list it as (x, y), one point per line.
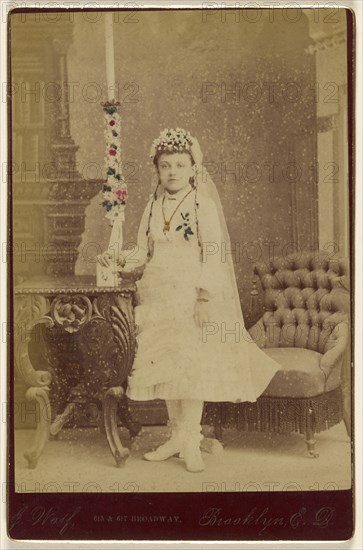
(168, 222)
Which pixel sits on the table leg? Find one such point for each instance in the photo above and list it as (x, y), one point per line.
(30, 311)
(127, 420)
(110, 406)
(39, 395)
(62, 418)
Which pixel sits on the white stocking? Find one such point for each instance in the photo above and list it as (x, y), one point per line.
(192, 410)
(174, 409)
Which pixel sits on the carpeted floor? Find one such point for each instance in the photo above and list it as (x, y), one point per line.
(79, 460)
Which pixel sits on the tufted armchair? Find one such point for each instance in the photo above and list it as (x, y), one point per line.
(305, 328)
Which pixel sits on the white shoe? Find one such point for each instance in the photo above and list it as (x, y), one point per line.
(168, 449)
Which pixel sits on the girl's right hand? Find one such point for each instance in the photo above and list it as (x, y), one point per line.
(106, 258)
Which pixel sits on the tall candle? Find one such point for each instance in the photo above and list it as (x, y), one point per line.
(110, 57)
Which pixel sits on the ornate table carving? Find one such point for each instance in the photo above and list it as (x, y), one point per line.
(85, 335)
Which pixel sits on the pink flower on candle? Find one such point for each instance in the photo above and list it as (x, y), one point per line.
(112, 122)
(120, 194)
(112, 152)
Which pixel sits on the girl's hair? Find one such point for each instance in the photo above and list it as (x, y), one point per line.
(155, 194)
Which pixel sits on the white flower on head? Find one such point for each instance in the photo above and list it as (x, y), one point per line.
(169, 139)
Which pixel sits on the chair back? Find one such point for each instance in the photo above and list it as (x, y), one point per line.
(305, 298)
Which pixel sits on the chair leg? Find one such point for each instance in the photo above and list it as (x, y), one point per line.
(309, 437)
(346, 396)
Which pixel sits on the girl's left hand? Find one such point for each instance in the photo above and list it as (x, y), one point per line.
(201, 313)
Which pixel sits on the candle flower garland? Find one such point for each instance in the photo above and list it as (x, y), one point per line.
(115, 189)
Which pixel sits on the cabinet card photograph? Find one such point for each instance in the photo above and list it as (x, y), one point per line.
(180, 268)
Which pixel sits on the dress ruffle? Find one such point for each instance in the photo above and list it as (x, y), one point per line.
(176, 359)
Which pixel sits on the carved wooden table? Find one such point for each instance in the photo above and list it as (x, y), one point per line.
(75, 344)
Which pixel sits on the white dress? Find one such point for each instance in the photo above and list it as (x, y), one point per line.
(176, 359)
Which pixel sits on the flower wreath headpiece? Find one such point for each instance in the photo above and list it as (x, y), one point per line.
(176, 140)
(171, 140)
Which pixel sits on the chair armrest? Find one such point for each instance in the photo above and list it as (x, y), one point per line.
(337, 345)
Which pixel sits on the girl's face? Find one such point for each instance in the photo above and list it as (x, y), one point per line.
(175, 171)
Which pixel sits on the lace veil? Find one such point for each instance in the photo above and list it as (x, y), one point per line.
(207, 188)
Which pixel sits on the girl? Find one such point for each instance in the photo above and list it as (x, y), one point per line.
(192, 343)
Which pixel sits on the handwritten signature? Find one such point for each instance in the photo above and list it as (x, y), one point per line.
(263, 519)
(41, 516)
